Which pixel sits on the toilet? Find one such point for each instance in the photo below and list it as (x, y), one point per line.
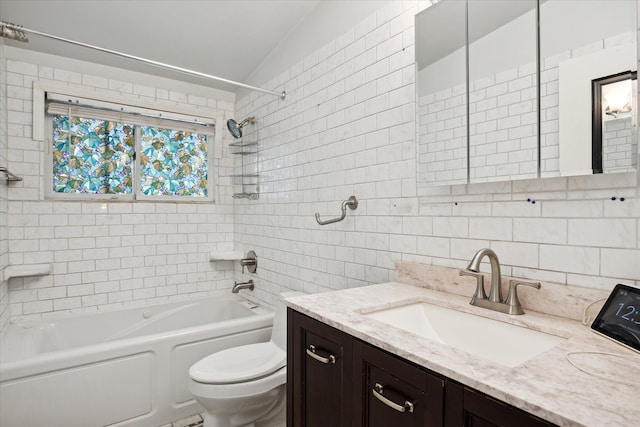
(245, 385)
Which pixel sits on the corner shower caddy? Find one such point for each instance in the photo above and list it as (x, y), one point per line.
(247, 148)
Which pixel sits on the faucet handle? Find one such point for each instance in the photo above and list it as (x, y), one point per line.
(251, 262)
(512, 298)
(479, 293)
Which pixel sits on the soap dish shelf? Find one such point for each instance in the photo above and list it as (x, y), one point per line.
(244, 178)
(225, 256)
(243, 148)
(28, 270)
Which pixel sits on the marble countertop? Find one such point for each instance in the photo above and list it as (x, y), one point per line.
(548, 385)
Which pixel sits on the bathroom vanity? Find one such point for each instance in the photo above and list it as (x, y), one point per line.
(349, 382)
(348, 368)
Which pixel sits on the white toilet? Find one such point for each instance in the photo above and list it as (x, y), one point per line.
(245, 385)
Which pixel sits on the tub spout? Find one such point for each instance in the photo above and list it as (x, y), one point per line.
(242, 285)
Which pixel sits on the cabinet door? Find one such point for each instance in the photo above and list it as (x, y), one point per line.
(470, 408)
(319, 374)
(394, 392)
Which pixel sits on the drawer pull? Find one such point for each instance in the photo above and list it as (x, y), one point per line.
(311, 351)
(378, 392)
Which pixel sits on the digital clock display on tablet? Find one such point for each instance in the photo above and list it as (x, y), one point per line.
(619, 318)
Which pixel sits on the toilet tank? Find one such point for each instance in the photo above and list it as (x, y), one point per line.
(279, 332)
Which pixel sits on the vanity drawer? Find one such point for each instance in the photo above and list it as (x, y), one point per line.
(394, 392)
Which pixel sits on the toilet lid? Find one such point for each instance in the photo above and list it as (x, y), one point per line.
(238, 364)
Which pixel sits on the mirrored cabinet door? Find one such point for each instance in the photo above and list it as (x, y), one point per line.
(442, 96)
(503, 120)
(518, 89)
(588, 65)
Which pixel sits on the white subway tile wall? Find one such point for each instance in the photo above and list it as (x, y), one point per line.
(348, 127)
(103, 254)
(4, 161)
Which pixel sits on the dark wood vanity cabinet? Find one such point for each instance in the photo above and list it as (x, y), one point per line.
(319, 373)
(469, 408)
(389, 391)
(334, 379)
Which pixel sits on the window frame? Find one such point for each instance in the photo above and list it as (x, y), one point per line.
(42, 131)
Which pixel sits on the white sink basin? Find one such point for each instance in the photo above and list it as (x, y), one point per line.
(499, 342)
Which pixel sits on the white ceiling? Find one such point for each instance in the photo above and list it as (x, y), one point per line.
(224, 38)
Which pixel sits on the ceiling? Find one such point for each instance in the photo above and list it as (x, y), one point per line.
(228, 39)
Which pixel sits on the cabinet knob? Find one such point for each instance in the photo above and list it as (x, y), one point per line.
(311, 351)
(378, 392)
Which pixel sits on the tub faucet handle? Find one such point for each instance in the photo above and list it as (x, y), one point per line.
(250, 261)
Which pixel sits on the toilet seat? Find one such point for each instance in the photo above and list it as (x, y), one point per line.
(266, 384)
(239, 364)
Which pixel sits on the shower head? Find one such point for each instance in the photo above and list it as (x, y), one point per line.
(12, 31)
(236, 128)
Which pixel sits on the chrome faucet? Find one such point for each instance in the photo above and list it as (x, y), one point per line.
(237, 286)
(511, 305)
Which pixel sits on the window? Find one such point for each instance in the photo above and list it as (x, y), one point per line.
(109, 153)
(92, 156)
(173, 162)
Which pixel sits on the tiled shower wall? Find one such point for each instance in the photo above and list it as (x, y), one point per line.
(347, 128)
(4, 244)
(108, 254)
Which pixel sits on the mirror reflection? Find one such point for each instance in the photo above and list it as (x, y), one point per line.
(503, 131)
(442, 94)
(581, 42)
(613, 119)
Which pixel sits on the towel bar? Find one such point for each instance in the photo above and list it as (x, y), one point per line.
(352, 202)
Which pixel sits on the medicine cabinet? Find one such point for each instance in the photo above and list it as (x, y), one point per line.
(505, 89)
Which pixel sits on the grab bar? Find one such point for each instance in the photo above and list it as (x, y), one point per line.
(352, 202)
(10, 176)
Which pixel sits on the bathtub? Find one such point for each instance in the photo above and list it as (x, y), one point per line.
(119, 368)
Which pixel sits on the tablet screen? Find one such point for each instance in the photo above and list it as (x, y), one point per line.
(619, 318)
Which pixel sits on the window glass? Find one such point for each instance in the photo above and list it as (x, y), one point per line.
(92, 156)
(173, 163)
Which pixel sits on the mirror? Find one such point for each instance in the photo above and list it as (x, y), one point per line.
(503, 88)
(583, 41)
(442, 94)
(508, 137)
(612, 129)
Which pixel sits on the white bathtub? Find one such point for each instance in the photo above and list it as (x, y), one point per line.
(120, 368)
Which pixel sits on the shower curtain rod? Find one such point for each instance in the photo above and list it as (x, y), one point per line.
(16, 32)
